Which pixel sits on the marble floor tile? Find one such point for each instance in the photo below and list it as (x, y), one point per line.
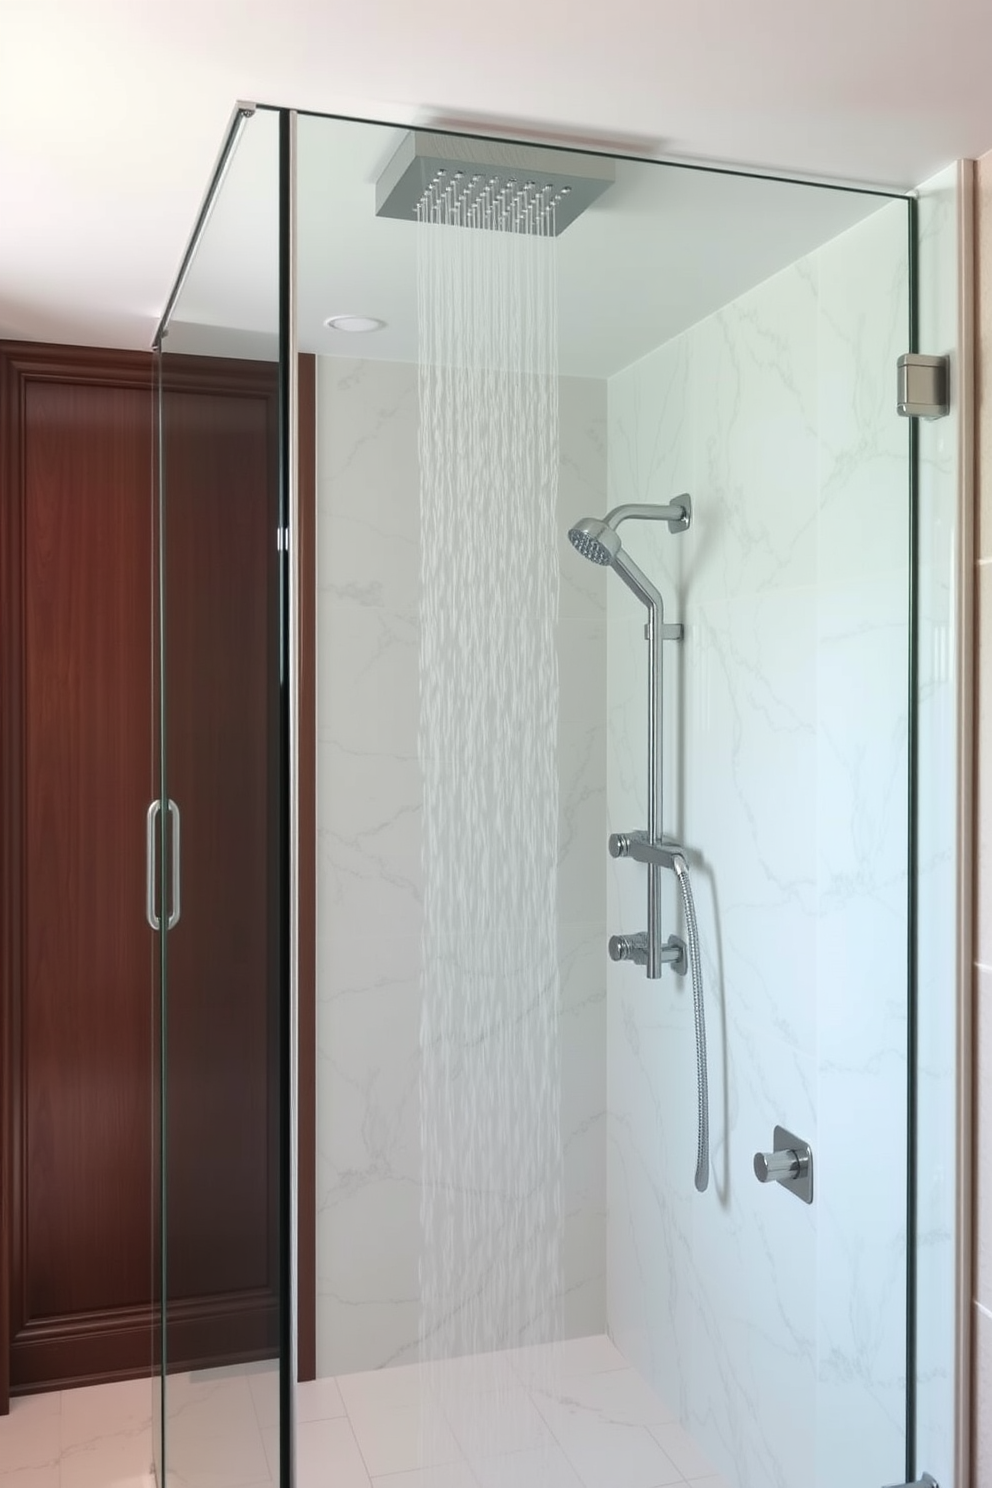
(96, 1411)
(534, 1469)
(620, 1395)
(32, 1477)
(476, 1374)
(318, 1400)
(197, 1408)
(382, 1389)
(574, 1415)
(328, 1456)
(264, 1389)
(441, 1475)
(402, 1438)
(30, 1434)
(224, 1461)
(677, 1444)
(490, 1425)
(113, 1461)
(576, 1356)
(607, 1453)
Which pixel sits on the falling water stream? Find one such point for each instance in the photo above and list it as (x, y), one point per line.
(491, 1213)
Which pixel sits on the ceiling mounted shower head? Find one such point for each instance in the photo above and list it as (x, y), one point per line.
(595, 540)
(488, 183)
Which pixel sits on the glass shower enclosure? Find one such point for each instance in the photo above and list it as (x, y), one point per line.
(411, 815)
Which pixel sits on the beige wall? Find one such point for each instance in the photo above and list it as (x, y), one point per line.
(982, 1312)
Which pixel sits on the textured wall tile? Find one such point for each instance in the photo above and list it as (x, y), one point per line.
(369, 804)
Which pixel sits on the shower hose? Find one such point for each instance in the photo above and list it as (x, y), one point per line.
(702, 1084)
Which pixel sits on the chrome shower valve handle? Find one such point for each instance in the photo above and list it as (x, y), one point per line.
(790, 1164)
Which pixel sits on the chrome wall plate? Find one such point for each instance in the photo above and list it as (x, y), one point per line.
(791, 1165)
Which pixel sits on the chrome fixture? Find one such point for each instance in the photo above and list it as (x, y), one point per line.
(635, 948)
(791, 1164)
(151, 914)
(925, 1482)
(923, 386)
(489, 183)
(597, 539)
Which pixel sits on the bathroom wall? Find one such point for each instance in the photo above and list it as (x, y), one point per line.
(369, 886)
(775, 1329)
(982, 1312)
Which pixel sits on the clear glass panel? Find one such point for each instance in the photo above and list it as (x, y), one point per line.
(507, 1142)
(224, 845)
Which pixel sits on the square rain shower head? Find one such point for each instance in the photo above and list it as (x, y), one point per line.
(478, 172)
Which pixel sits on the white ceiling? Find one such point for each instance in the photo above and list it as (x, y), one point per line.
(111, 111)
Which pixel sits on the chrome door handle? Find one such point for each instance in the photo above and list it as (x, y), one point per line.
(176, 871)
(150, 914)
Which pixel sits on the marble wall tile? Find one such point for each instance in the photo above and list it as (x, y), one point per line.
(939, 263)
(983, 793)
(983, 1136)
(369, 802)
(785, 736)
(982, 1427)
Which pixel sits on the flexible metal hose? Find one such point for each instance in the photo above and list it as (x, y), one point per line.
(696, 967)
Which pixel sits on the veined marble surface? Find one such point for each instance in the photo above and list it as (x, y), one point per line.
(777, 1329)
(369, 884)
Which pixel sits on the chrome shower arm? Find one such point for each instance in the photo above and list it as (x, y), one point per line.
(677, 513)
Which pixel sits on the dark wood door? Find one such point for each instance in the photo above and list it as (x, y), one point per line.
(79, 1259)
(223, 769)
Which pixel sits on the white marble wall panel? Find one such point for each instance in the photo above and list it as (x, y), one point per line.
(769, 1324)
(369, 877)
(940, 259)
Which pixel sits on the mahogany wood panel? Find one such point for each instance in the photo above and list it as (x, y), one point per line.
(71, 631)
(222, 709)
(76, 740)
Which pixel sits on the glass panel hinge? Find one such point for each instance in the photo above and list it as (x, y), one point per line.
(923, 386)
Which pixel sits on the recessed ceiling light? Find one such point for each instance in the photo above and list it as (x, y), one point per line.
(354, 323)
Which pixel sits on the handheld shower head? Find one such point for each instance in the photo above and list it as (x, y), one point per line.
(595, 540)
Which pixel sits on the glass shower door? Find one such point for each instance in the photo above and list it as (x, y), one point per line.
(222, 845)
(734, 339)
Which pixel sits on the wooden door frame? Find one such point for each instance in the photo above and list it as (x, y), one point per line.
(19, 363)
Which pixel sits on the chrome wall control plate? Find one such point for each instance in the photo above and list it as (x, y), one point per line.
(790, 1164)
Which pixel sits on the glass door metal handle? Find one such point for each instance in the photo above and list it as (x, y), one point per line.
(791, 1165)
(150, 914)
(176, 869)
